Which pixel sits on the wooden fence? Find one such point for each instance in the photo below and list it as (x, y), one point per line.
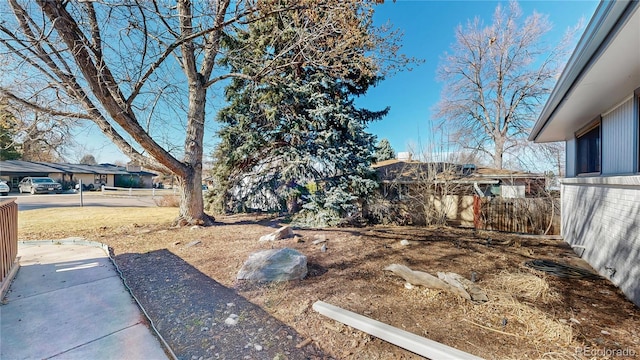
(8, 242)
(519, 215)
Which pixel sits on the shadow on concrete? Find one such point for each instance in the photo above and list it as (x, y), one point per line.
(68, 302)
(189, 310)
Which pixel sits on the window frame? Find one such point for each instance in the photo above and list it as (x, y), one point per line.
(589, 130)
(636, 110)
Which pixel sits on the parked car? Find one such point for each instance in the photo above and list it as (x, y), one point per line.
(4, 189)
(36, 185)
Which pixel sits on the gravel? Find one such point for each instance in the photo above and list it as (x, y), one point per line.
(200, 318)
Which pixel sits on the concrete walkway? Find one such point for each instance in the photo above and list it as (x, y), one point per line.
(68, 302)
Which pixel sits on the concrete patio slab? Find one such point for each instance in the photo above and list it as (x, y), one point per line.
(131, 343)
(68, 302)
(44, 271)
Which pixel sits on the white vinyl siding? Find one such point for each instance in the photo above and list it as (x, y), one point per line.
(570, 153)
(512, 191)
(618, 139)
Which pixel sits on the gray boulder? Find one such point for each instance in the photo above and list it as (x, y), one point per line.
(274, 265)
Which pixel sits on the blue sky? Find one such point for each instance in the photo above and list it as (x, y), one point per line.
(428, 33)
(428, 28)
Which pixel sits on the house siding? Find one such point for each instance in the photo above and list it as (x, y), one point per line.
(618, 139)
(111, 180)
(90, 179)
(601, 220)
(601, 212)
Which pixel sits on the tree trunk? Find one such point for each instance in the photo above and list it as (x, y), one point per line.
(498, 152)
(191, 203)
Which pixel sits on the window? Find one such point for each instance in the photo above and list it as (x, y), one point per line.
(100, 179)
(588, 150)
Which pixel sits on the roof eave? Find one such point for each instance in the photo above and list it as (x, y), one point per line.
(595, 38)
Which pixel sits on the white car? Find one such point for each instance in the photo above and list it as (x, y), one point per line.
(4, 189)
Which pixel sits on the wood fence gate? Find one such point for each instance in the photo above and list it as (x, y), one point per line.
(8, 243)
(518, 215)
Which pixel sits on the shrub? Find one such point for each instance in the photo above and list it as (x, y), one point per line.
(388, 212)
(168, 201)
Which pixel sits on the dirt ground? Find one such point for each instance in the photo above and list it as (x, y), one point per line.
(529, 315)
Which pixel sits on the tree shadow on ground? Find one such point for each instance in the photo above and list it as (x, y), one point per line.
(189, 310)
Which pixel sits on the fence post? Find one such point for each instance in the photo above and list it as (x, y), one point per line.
(130, 191)
(477, 223)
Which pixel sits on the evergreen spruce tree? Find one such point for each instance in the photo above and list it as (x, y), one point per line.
(295, 140)
(8, 130)
(384, 151)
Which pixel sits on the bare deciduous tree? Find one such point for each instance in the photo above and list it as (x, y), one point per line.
(496, 77)
(42, 138)
(88, 159)
(34, 135)
(142, 71)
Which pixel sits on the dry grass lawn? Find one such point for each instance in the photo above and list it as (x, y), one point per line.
(529, 314)
(55, 223)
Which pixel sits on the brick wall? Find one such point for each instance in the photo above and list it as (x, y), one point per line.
(601, 219)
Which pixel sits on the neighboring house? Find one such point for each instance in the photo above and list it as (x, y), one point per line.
(594, 108)
(398, 176)
(449, 189)
(421, 192)
(510, 183)
(13, 171)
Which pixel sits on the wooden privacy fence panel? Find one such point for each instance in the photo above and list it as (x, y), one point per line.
(8, 237)
(519, 215)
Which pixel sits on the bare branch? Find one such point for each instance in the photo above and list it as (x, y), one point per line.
(95, 30)
(227, 76)
(33, 106)
(103, 85)
(212, 40)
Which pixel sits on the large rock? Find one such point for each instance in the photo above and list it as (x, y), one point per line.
(274, 265)
(282, 233)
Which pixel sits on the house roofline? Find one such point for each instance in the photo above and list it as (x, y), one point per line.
(606, 21)
(66, 168)
(459, 182)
